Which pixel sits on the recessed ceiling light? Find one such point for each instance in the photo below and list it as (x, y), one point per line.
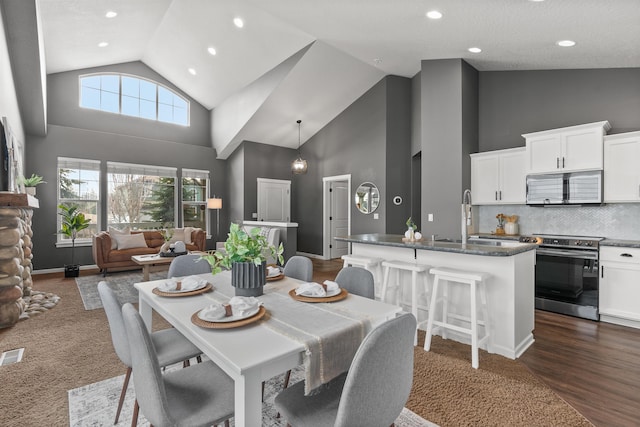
(434, 14)
(111, 14)
(566, 43)
(103, 44)
(536, 1)
(211, 50)
(238, 22)
(474, 50)
(192, 71)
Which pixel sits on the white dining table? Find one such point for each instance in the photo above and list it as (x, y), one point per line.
(250, 354)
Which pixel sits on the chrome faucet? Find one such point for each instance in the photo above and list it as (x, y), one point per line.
(466, 213)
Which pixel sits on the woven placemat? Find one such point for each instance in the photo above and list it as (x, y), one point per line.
(342, 295)
(182, 294)
(227, 325)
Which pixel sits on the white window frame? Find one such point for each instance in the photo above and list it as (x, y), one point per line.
(150, 170)
(196, 173)
(157, 85)
(81, 164)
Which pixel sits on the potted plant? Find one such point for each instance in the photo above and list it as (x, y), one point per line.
(72, 222)
(245, 254)
(31, 182)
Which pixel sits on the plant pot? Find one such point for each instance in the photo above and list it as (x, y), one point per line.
(72, 270)
(248, 279)
(30, 190)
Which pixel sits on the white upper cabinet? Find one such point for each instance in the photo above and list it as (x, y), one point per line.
(569, 149)
(621, 170)
(499, 177)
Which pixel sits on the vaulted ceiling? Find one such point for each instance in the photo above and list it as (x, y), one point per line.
(336, 49)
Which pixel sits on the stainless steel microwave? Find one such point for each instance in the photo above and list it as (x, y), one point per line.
(574, 188)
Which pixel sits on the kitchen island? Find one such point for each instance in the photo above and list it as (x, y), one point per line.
(510, 287)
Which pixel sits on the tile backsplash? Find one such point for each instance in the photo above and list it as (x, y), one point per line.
(614, 221)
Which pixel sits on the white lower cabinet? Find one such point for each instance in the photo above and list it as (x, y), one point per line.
(620, 286)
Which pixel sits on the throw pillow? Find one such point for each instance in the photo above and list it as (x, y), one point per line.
(128, 241)
(187, 235)
(178, 235)
(113, 231)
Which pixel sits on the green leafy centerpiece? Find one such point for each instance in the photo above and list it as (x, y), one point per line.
(246, 255)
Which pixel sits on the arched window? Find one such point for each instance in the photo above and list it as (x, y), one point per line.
(133, 96)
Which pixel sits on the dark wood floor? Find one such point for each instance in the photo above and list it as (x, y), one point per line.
(593, 366)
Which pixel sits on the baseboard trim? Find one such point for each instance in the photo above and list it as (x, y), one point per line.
(310, 255)
(61, 269)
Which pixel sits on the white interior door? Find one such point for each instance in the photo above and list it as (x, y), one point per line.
(339, 218)
(274, 200)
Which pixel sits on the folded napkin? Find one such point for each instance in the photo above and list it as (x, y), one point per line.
(311, 289)
(188, 283)
(272, 271)
(243, 306)
(213, 312)
(332, 287)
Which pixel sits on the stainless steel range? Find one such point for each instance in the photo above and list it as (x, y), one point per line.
(566, 274)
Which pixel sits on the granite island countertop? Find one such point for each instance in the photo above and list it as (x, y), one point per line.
(621, 243)
(484, 249)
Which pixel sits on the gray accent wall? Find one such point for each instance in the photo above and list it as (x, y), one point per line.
(357, 142)
(449, 117)
(9, 107)
(398, 154)
(86, 134)
(517, 102)
(64, 109)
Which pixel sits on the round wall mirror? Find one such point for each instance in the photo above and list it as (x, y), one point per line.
(367, 197)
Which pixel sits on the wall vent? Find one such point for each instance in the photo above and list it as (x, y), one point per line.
(11, 356)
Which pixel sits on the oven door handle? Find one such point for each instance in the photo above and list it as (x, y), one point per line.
(568, 253)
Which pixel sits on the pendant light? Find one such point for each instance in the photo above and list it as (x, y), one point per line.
(299, 165)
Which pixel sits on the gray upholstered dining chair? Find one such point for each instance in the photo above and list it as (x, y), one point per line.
(372, 393)
(185, 265)
(200, 395)
(299, 267)
(357, 281)
(171, 346)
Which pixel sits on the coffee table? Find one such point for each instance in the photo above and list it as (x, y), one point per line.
(146, 261)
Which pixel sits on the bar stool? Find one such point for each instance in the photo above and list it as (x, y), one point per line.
(368, 263)
(474, 280)
(415, 269)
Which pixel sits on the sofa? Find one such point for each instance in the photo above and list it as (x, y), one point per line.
(109, 256)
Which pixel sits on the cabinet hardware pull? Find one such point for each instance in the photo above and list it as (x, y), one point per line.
(500, 194)
(496, 195)
(557, 162)
(626, 255)
(602, 272)
(562, 162)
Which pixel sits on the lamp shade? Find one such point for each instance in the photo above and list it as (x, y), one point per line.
(214, 203)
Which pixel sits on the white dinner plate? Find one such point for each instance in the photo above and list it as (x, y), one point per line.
(275, 274)
(328, 294)
(230, 318)
(174, 291)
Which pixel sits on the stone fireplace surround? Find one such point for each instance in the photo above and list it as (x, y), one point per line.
(16, 212)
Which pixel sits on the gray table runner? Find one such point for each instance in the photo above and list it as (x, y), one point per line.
(330, 333)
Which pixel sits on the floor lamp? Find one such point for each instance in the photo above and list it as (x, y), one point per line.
(215, 203)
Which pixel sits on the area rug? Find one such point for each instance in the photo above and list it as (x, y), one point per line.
(122, 283)
(95, 405)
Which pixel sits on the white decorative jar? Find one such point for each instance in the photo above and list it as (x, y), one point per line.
(511, 228)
